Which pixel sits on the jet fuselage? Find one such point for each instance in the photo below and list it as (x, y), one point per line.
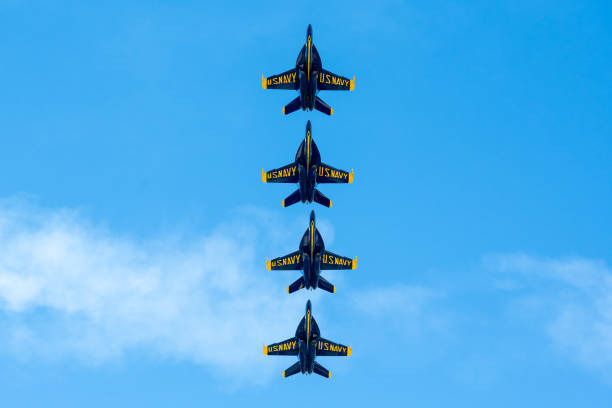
(307, 334)
(308, 160)
(311, 246)
(309, 66)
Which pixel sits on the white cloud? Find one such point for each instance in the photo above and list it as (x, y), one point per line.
(72, 290)
(68, 289)
(573, 295)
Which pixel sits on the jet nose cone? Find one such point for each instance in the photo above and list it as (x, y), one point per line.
(312, 215)
(308, 305)
(308, 126)
(309, 31)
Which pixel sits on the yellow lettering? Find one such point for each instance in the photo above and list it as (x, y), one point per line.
(327, 78)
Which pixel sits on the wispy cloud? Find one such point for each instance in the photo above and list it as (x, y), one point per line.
(572, 295)
(72, 290)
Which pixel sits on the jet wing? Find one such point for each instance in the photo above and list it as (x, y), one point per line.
(285, 174)
(329, 348)
(293, 262)
(289, 347)
(286, 80)
(329, 174)
(328, 81)
(329, 260)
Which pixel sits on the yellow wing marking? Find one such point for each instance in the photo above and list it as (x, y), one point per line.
(354, 265)
(264, 176)
(264, 83)
(269, 264)
(352, 84)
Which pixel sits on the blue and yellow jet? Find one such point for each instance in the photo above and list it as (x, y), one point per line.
(308, 77)
(307, 170)
(311, 258)
(307, 345)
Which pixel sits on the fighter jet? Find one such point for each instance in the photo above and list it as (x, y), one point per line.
(311, 258)
(307, 170)
(307, 345)
(308, 77)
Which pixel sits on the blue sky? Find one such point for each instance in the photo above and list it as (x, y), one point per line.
(134, 225)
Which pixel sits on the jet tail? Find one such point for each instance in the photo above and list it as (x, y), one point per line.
(292, 106)
(297, 285)
(319, 369)
(292, 199)
(294, 369)
(321, 199)
(325, 285)
(323, 107)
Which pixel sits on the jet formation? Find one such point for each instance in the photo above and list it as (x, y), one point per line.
(308, 77)
(307, 344)
(307, 170)
(311, 258)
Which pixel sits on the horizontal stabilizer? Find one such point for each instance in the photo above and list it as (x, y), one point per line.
(323, 107)
(329, 174)
(294, 369)
(329, 261)
(321, 199)
(285, 174)
(319, 369)
(292, 199)
(295, 286)
(292, 106)
(291, 262)
(287, 80)
(325, 285)
(328, 81)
